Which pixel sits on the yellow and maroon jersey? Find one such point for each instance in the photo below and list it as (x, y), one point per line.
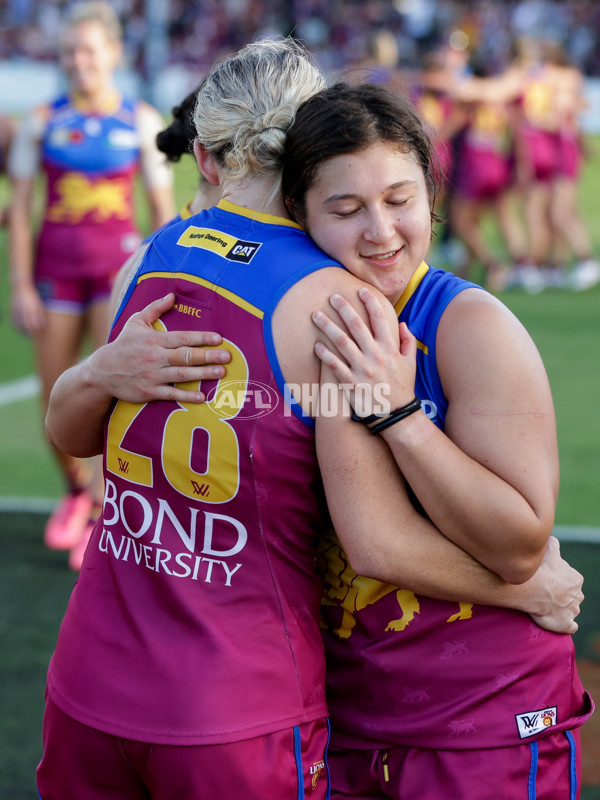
(195, 617)
(90, 161)
(410, 670)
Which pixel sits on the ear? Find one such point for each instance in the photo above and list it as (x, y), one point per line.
(294, 212)
(206, 163)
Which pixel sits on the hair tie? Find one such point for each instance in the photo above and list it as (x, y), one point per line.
(273, 128)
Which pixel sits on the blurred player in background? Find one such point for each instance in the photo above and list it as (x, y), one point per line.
(570, 237)
(89, 145)
(545, 95)
(483, 182)
(7, 131)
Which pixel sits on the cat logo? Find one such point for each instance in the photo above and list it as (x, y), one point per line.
(243, 251)
(221, 243)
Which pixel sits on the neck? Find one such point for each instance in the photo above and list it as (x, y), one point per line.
(254, 193)
(104, 99)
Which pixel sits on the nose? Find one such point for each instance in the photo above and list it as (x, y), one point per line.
(379, 227)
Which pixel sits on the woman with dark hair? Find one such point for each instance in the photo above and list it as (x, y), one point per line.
(176, 141)
(419, 688)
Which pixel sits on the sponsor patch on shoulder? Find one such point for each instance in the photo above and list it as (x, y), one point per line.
(535, 721)
(221, 243)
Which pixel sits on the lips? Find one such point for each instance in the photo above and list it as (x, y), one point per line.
(382, 258)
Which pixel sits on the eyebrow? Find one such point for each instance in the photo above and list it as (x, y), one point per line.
(349, 196)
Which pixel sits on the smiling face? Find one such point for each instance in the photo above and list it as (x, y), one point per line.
(88, 56)
(370, 210)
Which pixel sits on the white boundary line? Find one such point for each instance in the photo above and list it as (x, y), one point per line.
(21, 389)
(577, 534)
(27, 505)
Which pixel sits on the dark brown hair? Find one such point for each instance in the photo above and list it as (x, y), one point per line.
(345, 119)
(177, 139)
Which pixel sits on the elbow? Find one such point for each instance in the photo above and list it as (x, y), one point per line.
(359, 562)
(51, 434)
(525, 557)
(72, 444)
(367, 564)
(520, 570)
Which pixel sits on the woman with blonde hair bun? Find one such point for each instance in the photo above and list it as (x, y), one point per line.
(195, 617)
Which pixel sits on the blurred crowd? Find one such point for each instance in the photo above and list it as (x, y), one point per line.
(501, 85)
(338, 31)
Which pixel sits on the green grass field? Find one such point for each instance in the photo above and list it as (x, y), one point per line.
(35, 583)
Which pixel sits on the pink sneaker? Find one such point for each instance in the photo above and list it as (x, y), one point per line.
(78, 551)
(67, 522)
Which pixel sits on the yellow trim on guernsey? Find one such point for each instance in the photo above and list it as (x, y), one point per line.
(233, 298)
(186, 211)
(411, 288)
(270, 219)
(226, 205)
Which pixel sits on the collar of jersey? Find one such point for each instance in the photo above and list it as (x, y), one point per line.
(186, 211)
(269, 219)
(110, 105)
(411, 287)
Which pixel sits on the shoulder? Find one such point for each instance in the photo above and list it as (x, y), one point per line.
(148, 116)
(428, 295)
(124, 282)
(472, 305)
(294, 333)
(314, 290)
(26, 144)
(475, 316)
(480, 341)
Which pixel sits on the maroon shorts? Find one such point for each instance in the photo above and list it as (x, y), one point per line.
(73, 295)
(482, 175)
(570, 157)
(547, 769)
(542, 152)
(84, 763)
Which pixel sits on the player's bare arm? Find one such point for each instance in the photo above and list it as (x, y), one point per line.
(382, 533)
(499, 449)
